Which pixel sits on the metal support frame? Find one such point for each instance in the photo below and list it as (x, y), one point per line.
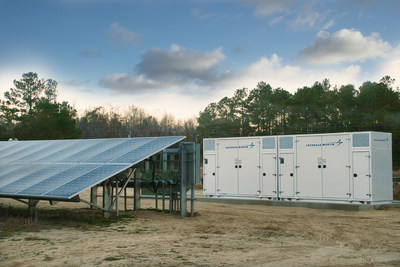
(108, 191)
(32, 207)
(118, 193)
(93, 196)
(107, 199)
(22, 201)
(184, 180)
(136, 191)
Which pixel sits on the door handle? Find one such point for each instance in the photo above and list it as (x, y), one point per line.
(240, 166)
(213, 173)
(324, 166)
(291, 174)
(319, 166)
(264, 174)
(355, 175)
(236, 166)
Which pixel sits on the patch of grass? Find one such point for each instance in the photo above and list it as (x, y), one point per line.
(112, 259)
(15, 220)
(124, 216)
(35, 238)
(47, 258)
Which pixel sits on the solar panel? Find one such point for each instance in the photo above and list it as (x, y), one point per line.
(61, 169)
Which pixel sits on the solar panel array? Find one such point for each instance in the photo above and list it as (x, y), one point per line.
(61, 169)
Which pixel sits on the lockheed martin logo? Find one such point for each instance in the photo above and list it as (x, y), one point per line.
(334, 144)
(382, 140)
(244, 146)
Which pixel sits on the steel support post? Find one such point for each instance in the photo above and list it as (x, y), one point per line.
(116, 196)
(163, 195)
(183, 182)
(93, 196)
(171, 200)
(32, 207)
(107, 197)
(136, 193)
(125, 205)
(156, 194)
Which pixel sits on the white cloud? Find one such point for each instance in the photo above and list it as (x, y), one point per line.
(201, 14)
(270, 7)
(289, 77)
(346, 45)
(328, 24)
(123, 36)
(188, 99)
(134, 84)
(173, 68)
(307, 18)
(391, 67)
(276, 20)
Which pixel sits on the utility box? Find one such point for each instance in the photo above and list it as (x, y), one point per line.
(350, 167)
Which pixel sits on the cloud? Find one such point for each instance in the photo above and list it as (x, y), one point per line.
(121, 36)
(272, 70)
(391, 67)
(346, 45)
(172, 68)
(91, 54)
(74, 83)
(187, 98)
(276, 20)
(329, 24)
(270, 7)
(200, 14)
(305, 20)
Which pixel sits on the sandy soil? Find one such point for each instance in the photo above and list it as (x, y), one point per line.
(219, 235)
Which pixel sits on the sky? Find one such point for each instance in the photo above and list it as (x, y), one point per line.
(178, 56)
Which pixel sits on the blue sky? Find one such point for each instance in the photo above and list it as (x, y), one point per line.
(176, 57)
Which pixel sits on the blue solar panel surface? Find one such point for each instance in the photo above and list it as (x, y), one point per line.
(61, 169)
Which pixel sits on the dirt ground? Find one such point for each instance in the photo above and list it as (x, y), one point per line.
(219, 235)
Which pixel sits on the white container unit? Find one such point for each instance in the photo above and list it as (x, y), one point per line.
(351, 167)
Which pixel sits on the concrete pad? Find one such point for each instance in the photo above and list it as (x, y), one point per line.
(303, 204)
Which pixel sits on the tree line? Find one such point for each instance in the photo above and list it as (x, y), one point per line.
(320, 108)
(30, 111)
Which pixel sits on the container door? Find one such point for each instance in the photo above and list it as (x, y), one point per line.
(309, 166)
(268, 174)
(336, 166)
(249, 167)
(286, 175)
(227, 167)
(361, 175)
(209, 175)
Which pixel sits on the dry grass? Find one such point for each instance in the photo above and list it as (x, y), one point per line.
(220, 235)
